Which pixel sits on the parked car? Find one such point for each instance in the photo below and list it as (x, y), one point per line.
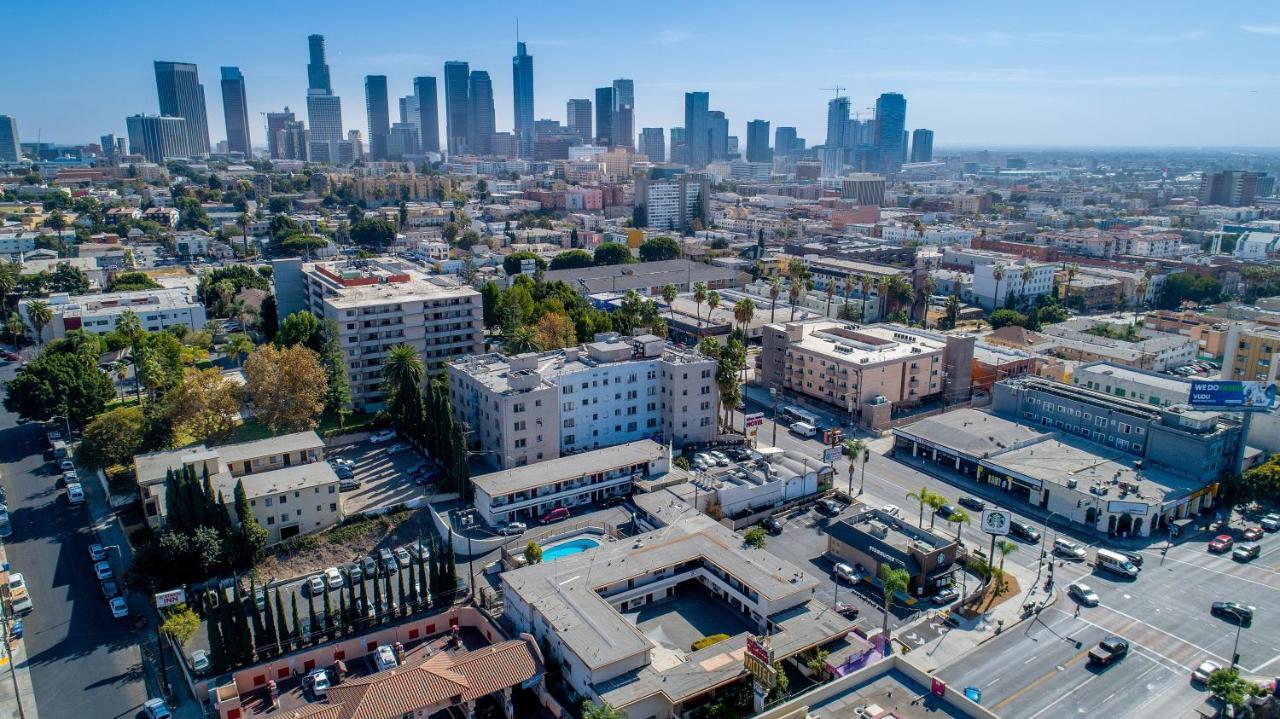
(1221, 543)
(1251, 534)
(385, 435)
(384, 657)
(110, 589)
(200, 661)
(1108, 651)
(387, 561)
(369, 566)
(721, 458)
(66, 465)
(397, 448)
(513, 528)
(344, 472)
(102, 570)
(1235, 611)
(97, 552)
(1067, 548)
(842, 571)
(403, 558)
(156, 709)
(347, 484)
(260, 598)
(559, 514)
(1271, 522)
(1246, 552)
(891, 510)
(342, 462)
(1081, 592)
(75, 494)
(946, 510)
(773, 525)
(973, 503)
(318, 680)
(946, 595)
(333, 578)
(614, 501)
(848, 611)
(119, 607)
(355, 574)
(829, 507)
(1200, 674)
(418, 551)
(315, 586)
(1134, 557)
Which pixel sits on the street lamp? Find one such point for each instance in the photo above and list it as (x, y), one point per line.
(773, 392)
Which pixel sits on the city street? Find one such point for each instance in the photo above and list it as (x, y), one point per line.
(79, 655)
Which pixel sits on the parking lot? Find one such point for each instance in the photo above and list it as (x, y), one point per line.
(386, 477)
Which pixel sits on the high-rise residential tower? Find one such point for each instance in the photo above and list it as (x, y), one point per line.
(235, 112)
(424, 88)
(578, 117)
(922, 145)
(758, 141)
(522, 82)
(158, 138)
(10, 148)
(318, 67)
(652, 144)
(182, 95)
(838, 122)
(784, 141)
(457, 103)
(379, 114)
(891, 120)
(718, 134)
(480, 113)
(604, 116)
(624, 113)
(697, 139)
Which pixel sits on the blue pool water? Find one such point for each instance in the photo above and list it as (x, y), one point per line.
(564, 549)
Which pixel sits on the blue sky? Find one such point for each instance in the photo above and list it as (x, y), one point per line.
(984, 74)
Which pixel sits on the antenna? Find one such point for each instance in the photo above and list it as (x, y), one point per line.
(837, 89)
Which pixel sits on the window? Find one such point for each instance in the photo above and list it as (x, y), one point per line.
(522, 442)
(569, 423)
(284, 518)
(519, 426)
(518, 407)
(570, 439)
(333, 506)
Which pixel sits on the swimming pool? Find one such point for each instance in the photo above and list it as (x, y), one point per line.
(571, 546)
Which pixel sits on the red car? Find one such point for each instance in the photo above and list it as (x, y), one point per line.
(1221, 543)
(1252, 534)
(12, 356)
(559, 514)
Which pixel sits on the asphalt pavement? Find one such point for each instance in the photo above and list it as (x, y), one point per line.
(79, 656)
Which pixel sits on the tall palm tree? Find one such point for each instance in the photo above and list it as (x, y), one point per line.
(744, 310)
(998, 273)
(1027, 273)
(959, 518)
(793, 294)
(882, 290)
(1140, 297)
(930, 286)
(1005, 548)
(8, 281)
(935, 503)
(669, 293)
(892, 581)
(700, 296)
(15, 328)
(848, 290)
(403, 374)
(856, 450)
(831, 292)
(523, 339)
(923, 497)
(39, 315)
(1072, 270)
(713, 301)
(244, 221)
(129, 325)
(865, 283)
(238, 346)
(775, 289)
(953, 310)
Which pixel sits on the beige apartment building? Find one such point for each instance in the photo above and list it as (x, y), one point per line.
(1251, 353)
(534, 407)
(866, 370)
(380, 303)
(291, 488)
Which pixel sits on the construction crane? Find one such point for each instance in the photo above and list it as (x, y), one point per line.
(836, 89)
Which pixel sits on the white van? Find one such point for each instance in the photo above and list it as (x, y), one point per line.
(1116, 562)
(804, 429)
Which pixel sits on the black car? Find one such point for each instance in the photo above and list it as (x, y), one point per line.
(1022, 530)
(946, 510)
(773, 525)
(1232, 610)
(1134, 557)
(973, 503)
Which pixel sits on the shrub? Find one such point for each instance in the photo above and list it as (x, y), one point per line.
(705, 642)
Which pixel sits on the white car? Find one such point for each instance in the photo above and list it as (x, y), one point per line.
(103, 571)
(119, 607)
(385, 658)
(156, 709)
(845, 572)
(402, 556)
(513, 528)
(200, 661)
(333, 578)
(891, 510)
(319, 680)
(1201, 673)
(75, 494)
(315, 586)
(381, 436)
(1067, 548)
(1083, 594)
(721, 458)
(397, 448)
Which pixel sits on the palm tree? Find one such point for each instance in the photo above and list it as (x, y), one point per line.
(122, 374)
(1027, 274)
(1139, 297)
(129, 325)
(899, 292)
(713, 301)
(700, 296)
(856, 449)
(744, 310)
(793, 294)
(243, 221)
(831, 292)
(1005, 548)
(892, 581)
(1072, 269)
(922, 498)
(403, 374)
(669, 293)
(39, 315)
(882, 290)
(930, 286)
(953, 310)
(848, 290)
(864, 285)
(998, 273)
(959, 518)
(8, 281)
(775, 289)
(238, 346)
(935, 503)
(15, 328)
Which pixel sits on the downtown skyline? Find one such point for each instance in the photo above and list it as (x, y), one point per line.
(975, 82)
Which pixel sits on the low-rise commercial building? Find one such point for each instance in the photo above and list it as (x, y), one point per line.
(529, 408)
(99, 314)
(290, 487)
(1155, 388)
(647, 278)
(875, 539)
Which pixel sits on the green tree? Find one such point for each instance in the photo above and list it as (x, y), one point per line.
(180, 623)
(591, 710)
(64, 384)
(403, 374)
(572, 260)
(268, 323)
(892, 582)
(754, 537)
(613, 253)
(238, 346)
(511, 263)
(251, 536)
(337, 398)
(924, 497)
(39, 315)
(217, 649)
(112, 438)
(131, 281)
(660, 248)
(1005, 317)
(1231, 689)
(532, 553)
(372, 233)
(855, 449)
(1004, 548)
(301, 328)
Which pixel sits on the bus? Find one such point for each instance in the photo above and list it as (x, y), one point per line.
(793, 414)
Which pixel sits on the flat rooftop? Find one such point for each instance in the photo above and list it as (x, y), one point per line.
(888, 695)
(971, 432)
(493, 369)
(1124, 373)
(865, 344)
(519, 479)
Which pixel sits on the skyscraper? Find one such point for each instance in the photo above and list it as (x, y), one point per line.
(679, 146)
(158, 138)
(522, 83)
(409, 111)
(758, 141)
(624, 109)
(922, 145)
(182, 95)
(718, 134)
(784, 141)
(652, 144)
(838, 122)
(379, 114)
(235, 112)
(318, 67)
(604, 116)
(10, 148)
(697, 141)
(457, 103)
(424, 88)
(106, 142)
(891, 120)
(480, 114)
(277, 121)
(578, 117)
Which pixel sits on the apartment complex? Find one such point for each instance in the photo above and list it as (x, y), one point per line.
(380, 303)
(1084, 339)
(99, 314)
(865, 370)
(1154, 388)
(534, 407)
(527, 493)
(671, 203)
(290, 487)
(1251, 353)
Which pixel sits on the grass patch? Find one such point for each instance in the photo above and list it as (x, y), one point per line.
(1125, 333)
(117, 403)
(251, 430)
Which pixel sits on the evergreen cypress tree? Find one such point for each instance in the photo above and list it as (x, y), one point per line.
(311, 616)
(282, 626)
(191, 498)
(230, 629)
(377, 602)
(209, 510)
(403, 608)
(243, 634)
(451, 570)
(173, 502)
(423, 587)
(270, 643)
(388, 597)
(328, 616)
(217, 650)
(363, 609)
(343, 618)
(297, 623)
(251, 537)
(222, 518)
(350, 604)
(260, 641)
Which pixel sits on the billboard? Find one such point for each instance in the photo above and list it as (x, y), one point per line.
(171, 598)
(996, 521)
(1233, 395)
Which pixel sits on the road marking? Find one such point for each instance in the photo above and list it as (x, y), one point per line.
(1043, 678)
(993, 683)
(1124, 632)
(1064, 696)
(1032, 659)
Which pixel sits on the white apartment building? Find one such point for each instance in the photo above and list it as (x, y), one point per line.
(672, 204)
(991, 293)
(156, 309)
(901, 234)
(380, 303)
(538, 406)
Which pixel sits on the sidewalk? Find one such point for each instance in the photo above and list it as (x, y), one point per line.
(13, 667)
